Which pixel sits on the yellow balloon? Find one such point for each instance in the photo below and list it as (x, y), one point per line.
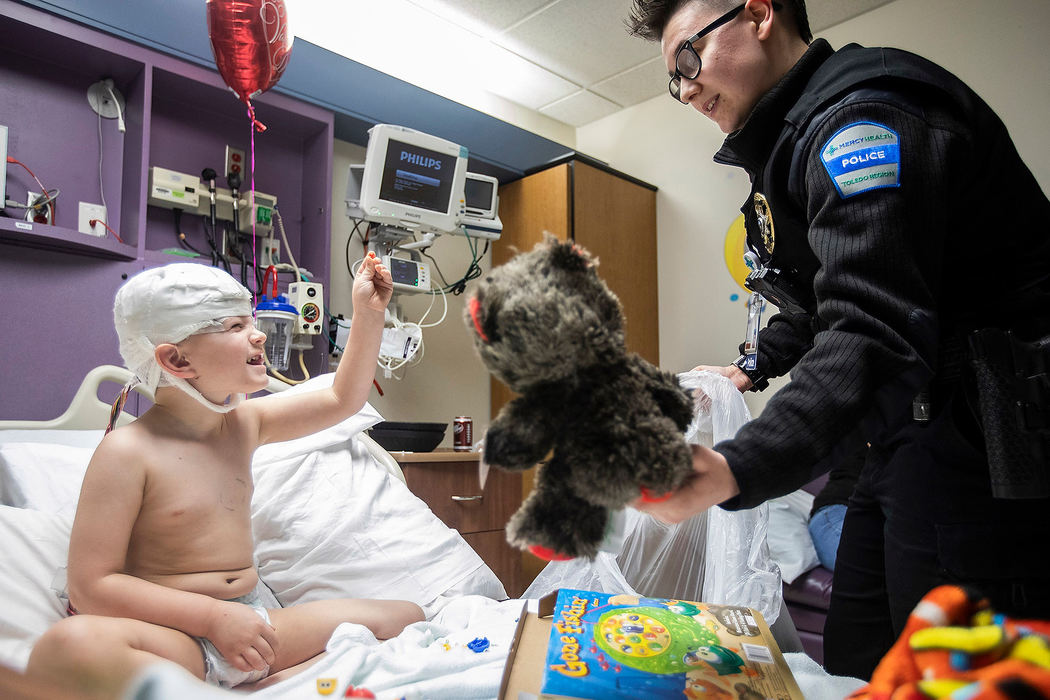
(735, 248)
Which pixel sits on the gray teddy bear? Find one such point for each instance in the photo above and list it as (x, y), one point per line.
(613, 424)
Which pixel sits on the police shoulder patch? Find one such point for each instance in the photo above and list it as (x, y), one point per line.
(862, 156)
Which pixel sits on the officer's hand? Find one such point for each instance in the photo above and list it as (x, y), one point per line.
(732, 372)
(711, 483)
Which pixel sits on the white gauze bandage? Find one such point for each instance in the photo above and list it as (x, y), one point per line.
(168, 304)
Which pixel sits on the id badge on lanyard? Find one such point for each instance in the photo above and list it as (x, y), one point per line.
(756, 304)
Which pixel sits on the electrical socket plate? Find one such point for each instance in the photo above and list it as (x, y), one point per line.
(86, 214)
(269, 252)
(235, 162)
(30, 198)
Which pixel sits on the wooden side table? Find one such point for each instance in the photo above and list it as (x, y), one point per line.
(447, 481)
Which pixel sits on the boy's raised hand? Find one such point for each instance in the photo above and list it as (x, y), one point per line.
(373, 285)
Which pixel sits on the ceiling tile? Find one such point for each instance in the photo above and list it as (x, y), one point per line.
(827, 13)
(485, 16)
(635, 85)
(582, 40)
(524, 82)
(580, 108)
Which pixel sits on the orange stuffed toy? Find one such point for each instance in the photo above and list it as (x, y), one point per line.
(955, 646)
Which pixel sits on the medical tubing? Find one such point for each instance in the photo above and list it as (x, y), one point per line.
(280, 227)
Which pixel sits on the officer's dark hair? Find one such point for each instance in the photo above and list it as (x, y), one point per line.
(648, 18)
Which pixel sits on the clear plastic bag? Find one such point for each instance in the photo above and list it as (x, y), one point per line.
(717, 556)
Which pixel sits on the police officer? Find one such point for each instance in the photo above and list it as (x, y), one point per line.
(906, 245)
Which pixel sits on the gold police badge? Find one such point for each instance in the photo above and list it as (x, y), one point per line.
(764, 218)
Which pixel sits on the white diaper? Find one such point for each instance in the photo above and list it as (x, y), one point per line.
(217, 670)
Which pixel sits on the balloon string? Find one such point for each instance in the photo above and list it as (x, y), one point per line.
(251, 129)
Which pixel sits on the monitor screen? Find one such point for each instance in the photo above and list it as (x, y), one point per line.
(478, 194)
(409, 180)
(417, 177)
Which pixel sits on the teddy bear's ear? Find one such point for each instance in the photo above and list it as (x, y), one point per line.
(569, 256)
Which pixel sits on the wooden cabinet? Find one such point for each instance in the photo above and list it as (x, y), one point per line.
(448, 482)
(614, 217)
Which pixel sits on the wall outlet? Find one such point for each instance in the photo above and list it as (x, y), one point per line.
(43, 216)
(235, 163)
(269, 252)
(89, 213)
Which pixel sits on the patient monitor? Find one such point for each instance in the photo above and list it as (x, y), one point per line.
(481, 207)
(412, 180)
(414, 184)
(412, 188)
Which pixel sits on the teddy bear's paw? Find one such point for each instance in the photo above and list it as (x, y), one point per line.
(654, 497)
(563, 527)
(506, 450)
(547, 554)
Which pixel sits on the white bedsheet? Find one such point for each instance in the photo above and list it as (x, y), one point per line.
(431, 660)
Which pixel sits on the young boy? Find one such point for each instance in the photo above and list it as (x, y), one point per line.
(161, 556)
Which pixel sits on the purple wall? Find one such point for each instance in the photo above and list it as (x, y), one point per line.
(58, 285)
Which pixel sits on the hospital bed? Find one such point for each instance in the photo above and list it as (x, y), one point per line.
(331, 517)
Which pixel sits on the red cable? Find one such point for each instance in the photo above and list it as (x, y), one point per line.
(92, 223)
(43, 190)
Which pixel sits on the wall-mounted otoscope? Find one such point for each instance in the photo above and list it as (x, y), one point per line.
(208, 175)
(234, 181)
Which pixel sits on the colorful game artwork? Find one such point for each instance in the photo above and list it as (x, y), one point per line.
(618, 646)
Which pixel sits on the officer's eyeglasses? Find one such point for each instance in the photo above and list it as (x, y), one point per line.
(687, 60)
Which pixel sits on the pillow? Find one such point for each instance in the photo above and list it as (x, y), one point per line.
(42, 476)
(73, 438)
(335, 524)
(790, 544)
(338, 433)
(34, 551)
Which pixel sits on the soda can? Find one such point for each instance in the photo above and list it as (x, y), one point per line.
(463, 434)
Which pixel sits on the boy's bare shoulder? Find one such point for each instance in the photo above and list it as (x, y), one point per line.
(126, 446)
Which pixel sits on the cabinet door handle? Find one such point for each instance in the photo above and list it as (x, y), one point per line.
(468, 498)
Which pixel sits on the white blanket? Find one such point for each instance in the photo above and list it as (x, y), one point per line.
(430, 660)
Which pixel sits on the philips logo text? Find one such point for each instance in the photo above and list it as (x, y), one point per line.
(416, 159)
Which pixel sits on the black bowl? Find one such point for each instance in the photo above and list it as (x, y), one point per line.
(395, 436)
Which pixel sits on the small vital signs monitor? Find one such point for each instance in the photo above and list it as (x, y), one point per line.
(408, 275)
(481, 199)
(413, 180)
(479, 191)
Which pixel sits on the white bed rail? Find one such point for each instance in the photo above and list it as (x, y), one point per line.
(87, 411)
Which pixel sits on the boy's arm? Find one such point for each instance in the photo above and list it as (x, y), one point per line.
(110, 499)
(287, 417)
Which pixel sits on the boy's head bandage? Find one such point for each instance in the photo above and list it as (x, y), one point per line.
(167, 305)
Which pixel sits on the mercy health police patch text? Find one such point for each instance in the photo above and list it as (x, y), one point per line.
(862, 156)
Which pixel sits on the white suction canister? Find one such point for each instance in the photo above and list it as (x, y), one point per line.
(275, 317)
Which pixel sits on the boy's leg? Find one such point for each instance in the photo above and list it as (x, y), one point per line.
(303, 630)
(101, 655)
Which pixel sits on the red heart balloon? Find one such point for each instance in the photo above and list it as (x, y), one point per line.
(251, 43)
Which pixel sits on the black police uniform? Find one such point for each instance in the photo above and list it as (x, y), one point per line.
(895, 217)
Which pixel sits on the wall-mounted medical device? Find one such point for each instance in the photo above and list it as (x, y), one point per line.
(306, 297)
(174, 190)
(412, 180)
(481, 207)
